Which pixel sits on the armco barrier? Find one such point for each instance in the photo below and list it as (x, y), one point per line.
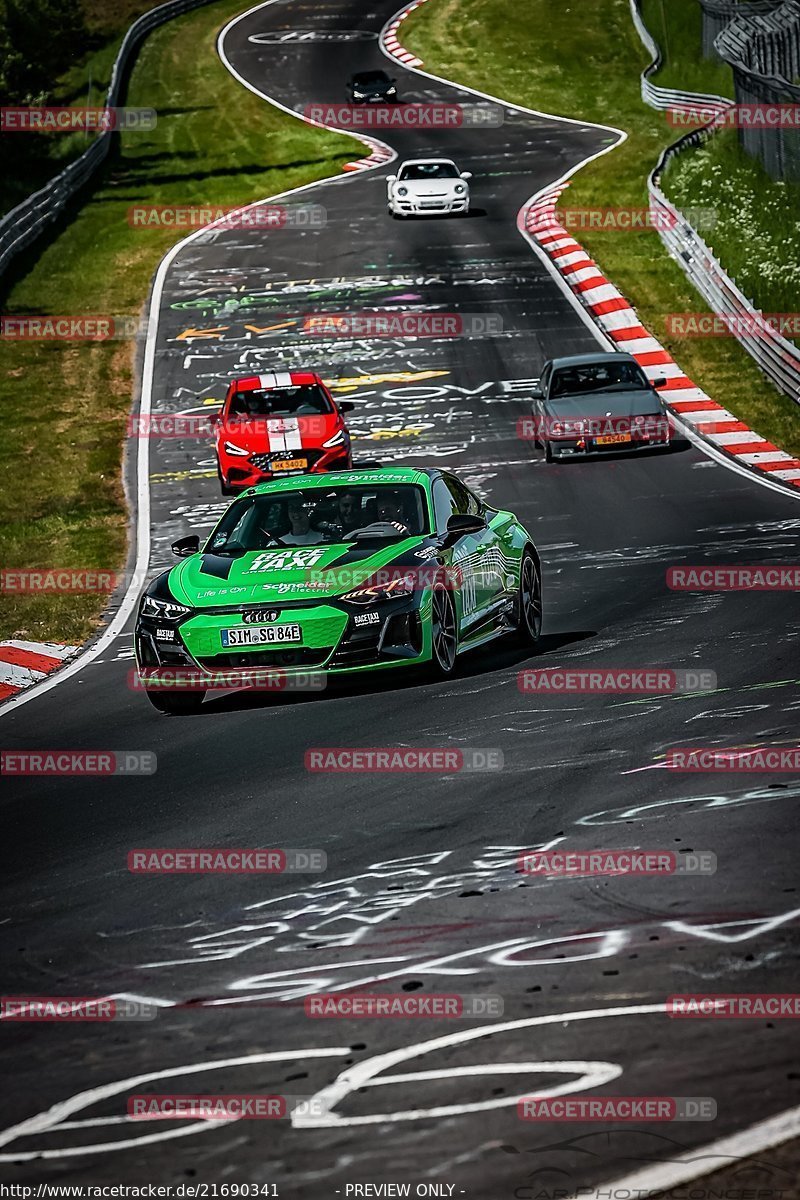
(667, 98)
(778, 358)
(24, 223)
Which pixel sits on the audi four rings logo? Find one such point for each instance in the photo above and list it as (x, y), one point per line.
(254, 616)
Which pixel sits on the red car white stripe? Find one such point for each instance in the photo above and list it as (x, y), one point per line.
(284, 433)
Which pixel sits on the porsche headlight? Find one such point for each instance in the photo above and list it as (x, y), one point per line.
(459, 189)
(165, 610)
(230, 448)
(402, 191)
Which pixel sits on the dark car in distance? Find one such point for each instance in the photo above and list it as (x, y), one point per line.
(591, 404)
(371, 87)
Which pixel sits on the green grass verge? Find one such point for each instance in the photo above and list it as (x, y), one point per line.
(34, 158)
(677, 26)
(587, 65)
(63, 406)
(757, 233)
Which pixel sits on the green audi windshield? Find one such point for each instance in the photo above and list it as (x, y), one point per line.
(318, 516)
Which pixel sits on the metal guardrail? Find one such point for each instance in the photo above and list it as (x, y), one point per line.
(778, 358)
(23, 224)
(668, 98)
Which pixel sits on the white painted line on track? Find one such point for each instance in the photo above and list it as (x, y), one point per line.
(703, 1160)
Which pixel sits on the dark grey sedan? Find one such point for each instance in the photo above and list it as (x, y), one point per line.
(597, 404)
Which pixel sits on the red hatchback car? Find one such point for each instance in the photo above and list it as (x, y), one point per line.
(270, 426)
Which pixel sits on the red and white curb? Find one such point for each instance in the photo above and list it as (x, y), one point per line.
(379, 154)
(390, 38)
(25, 663)
(620, 323)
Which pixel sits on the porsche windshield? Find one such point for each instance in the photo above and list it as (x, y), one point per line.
(319, 516)
(437, 170)
(303, 400)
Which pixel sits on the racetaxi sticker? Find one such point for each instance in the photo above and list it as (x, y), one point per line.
(370, 618)
(286, 560)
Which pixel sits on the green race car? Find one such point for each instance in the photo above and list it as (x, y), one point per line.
(351, 571)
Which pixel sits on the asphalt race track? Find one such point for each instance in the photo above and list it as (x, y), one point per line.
(421, 891)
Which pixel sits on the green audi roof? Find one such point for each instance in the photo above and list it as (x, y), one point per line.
(390, 475)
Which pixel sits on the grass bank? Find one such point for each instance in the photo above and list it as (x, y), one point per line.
(34, 158)
(677, 26)
(542, 56)
(63, 406)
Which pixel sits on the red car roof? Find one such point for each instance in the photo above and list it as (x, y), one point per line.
(274, 379)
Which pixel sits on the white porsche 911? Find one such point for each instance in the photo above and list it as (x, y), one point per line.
(428, 185)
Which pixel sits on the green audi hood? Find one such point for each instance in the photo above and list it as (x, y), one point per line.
(284, 573)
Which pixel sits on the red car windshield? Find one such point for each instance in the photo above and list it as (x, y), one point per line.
(300, 401)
